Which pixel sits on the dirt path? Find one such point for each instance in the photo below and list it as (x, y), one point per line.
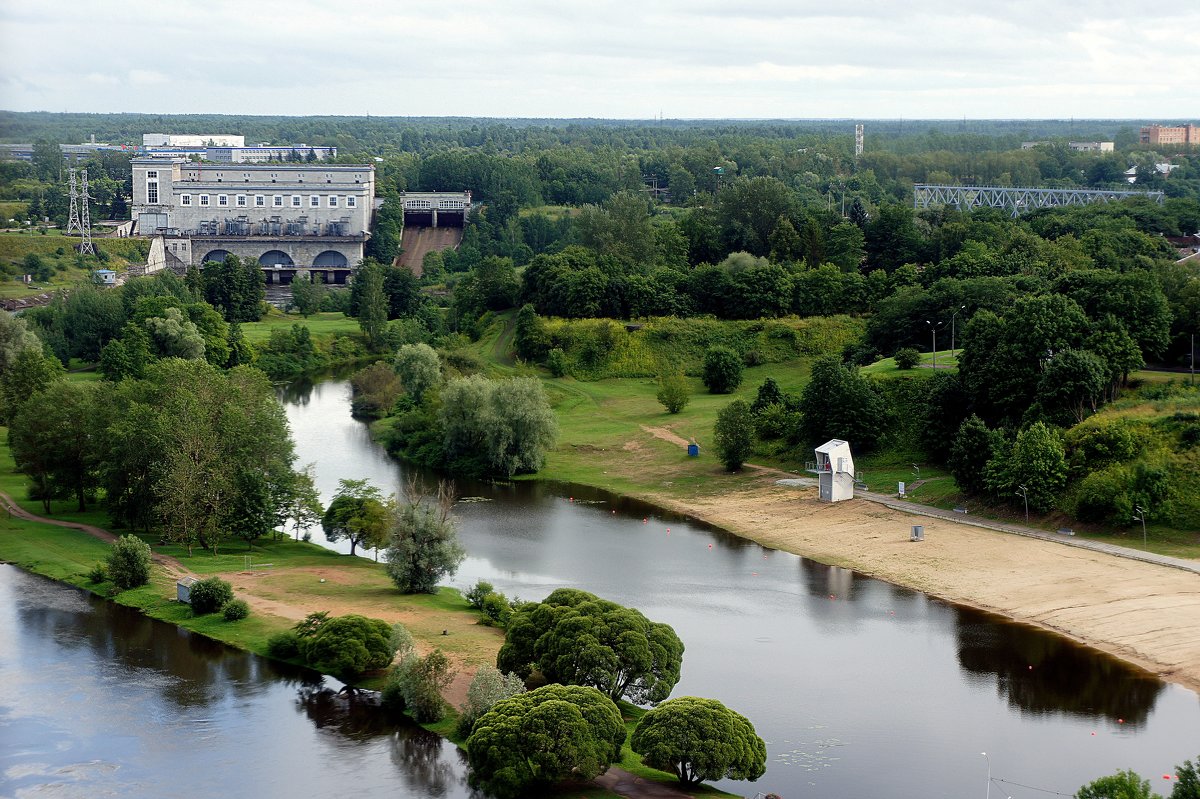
(173, 566)
(618, 780)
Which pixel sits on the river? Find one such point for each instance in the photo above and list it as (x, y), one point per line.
(860, 688)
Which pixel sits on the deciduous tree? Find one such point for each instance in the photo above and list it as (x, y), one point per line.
(699, 739)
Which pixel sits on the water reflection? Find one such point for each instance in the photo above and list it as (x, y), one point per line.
(1042, 674)
(101, 701)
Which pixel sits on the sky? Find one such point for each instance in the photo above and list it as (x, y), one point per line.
(871, 59)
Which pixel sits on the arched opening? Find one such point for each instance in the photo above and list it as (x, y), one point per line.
(275, 258)
(216, 256)
(331, 259)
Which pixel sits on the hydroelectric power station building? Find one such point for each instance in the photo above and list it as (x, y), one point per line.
(285, 216)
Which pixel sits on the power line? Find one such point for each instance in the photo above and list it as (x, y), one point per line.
(1031, 787)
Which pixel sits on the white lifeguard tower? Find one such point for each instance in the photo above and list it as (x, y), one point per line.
(835, 470)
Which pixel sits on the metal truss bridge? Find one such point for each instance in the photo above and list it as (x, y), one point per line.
(1017, 200)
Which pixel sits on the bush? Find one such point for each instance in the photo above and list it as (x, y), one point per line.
(556, 362)
(907, 358)
(128, 562)
(722, 370)
(733, 434)
(210, 595)
(284, 645)
(348, 646)
(419, 682)
(235, 610)
(97, 574)
(673, 392)
(489, 686)
(475, 595)
(496, 609)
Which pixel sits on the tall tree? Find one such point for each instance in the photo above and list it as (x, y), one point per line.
(358, 514)
(423, 546)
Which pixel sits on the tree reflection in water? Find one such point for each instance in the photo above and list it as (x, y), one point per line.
(423, 759)
(1042, 674)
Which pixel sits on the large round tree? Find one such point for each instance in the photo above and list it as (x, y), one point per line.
(699, 739)
(534, 740)
(576, 638)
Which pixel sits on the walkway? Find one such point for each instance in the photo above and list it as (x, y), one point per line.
(917, 509)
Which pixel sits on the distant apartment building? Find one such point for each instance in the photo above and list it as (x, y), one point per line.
(190, 140)
(285, 216)
(1187, 135)
(265, 152)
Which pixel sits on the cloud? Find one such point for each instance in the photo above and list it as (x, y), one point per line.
(614, 58)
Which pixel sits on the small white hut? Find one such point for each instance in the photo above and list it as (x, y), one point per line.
(835, 471)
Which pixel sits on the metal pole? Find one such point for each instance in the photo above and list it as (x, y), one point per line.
(1025, 496)
(953, 319)
(1141, 517)
(988, 795)
(1192, 379)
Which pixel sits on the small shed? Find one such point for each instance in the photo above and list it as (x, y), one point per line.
(835, 470)
(183, 589)
(105, 277)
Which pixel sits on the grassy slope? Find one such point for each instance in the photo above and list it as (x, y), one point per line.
(15, 246)
(320, 325)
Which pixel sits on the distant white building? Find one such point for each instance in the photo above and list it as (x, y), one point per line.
(835, 470)
(189, 140)
(1091, 146)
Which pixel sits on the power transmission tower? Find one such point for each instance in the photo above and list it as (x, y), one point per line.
(73, 218)
(85, 221)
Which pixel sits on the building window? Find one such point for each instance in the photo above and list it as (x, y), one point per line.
(152, 192)
(277, 201)
(260, 201)
(185, 199)
(223, 200)
(241, 201)
(204, 200)
(296, 201)
(152, 175)
(314, 201)
(350, 202)
(333, 201)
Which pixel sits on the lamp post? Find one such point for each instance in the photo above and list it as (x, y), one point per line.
(961, 308)
(1025, 495)
(933, 332)
(988, 795)
(1140, 516)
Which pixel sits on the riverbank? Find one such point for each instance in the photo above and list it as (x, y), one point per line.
(1145, 614)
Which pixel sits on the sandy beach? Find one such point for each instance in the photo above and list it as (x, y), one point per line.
(1145, 614)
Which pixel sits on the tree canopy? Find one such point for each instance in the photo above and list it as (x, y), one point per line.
(699, 739)
(576, 638)
(534, 740)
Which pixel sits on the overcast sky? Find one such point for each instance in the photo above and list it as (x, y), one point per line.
(605, 58)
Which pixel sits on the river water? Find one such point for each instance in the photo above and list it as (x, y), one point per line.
(860, 688)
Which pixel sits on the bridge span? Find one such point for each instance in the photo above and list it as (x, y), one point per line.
(1017, 200)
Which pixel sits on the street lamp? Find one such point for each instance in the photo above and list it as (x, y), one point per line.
(988, 795)
(961, 308)
(1024, 490)
(933, 332)
(1140, 516)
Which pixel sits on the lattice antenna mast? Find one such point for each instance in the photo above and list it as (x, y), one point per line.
(73, 218)
(858, 140)
(85, 221)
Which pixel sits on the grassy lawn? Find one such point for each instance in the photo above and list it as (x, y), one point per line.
(320, 325)
(886, 367)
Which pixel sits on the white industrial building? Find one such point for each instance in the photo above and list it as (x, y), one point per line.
(192, 140)
(285, 216)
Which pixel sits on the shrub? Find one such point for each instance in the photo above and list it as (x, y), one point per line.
(128, 562)
(673, 392)
(1103, 496)
(489, 686)
(907, 358)
(348, 646)
(97, 574)
(556, 362)
(496, 609)
(419, 682)
(733, 434)
(475, 595)
(210, 595)
(235, 610)
(722, 370)
(284, 645)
